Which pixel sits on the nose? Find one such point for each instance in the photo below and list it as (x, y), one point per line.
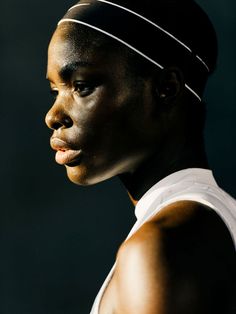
(57, 118)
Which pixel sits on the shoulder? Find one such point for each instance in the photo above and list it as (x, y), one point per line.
(181, 223)
(178, 250)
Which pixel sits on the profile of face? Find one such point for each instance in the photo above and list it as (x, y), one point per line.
(103, 117)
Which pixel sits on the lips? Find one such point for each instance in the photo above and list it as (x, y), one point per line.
(65, 155)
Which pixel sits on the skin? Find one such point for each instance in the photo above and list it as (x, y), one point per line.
(118, 123)
(99, 111)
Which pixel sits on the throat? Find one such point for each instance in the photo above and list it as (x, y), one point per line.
(158, 166)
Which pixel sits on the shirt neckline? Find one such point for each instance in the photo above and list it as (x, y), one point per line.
(199, 175)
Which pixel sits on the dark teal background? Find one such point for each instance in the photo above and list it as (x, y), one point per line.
(59, 240)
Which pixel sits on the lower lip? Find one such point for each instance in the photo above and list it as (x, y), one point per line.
(68, 157)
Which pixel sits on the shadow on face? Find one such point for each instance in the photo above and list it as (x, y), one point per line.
(103, 118)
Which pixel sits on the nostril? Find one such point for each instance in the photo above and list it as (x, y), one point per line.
(58, 121)
(56, 126)
(66, 122)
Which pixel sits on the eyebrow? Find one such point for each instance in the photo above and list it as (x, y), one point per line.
(67, 70)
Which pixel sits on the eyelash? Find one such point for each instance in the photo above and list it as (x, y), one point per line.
(83, 88)
(54, 93)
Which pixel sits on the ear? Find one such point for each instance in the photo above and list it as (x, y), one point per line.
(170, 85)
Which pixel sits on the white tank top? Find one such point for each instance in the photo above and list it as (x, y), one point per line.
(192, 184)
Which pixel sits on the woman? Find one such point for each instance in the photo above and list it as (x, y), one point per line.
(128, 80)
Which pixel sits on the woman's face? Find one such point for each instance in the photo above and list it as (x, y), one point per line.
(102, 117)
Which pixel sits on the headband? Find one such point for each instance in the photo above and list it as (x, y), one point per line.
(143, 36)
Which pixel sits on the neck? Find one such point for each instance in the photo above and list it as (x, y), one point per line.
(160, 165)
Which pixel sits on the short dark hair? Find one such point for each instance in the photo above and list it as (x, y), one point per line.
(183, 18)
(177, 20)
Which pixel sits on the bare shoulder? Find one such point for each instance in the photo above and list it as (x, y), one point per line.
(176, 263)
(140, 287)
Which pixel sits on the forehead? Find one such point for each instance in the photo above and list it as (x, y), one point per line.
(71, 45)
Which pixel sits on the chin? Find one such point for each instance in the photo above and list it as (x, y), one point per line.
(81, 176)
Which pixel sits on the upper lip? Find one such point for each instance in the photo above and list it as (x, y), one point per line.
(59, 144)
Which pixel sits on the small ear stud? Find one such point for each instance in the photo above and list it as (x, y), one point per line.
(162, 95)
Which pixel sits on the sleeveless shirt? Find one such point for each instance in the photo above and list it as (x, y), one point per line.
(193, 184)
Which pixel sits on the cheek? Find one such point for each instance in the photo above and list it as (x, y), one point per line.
(109, 149)
(93, 119)
(85, 119)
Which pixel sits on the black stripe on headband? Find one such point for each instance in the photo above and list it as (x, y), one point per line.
(142, 36)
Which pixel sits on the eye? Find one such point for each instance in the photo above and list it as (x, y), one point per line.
(83, 88)
(54, 93)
